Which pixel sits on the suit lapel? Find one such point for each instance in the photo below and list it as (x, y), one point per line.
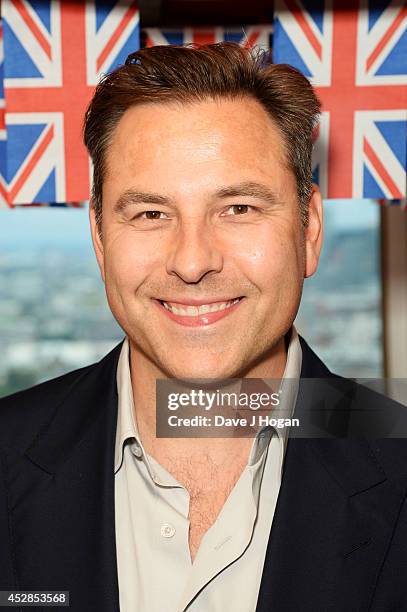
(333, 521)
(330, 531)
(62, 496)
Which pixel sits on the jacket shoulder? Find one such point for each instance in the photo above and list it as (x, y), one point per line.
(23, 413)
(357, 412)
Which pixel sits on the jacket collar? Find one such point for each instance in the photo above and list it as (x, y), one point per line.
(91, 399)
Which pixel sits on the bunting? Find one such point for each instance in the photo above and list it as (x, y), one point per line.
(357, 61)
(54, 53)
(247, 36)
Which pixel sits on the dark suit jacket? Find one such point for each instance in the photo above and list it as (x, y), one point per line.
(339, 535)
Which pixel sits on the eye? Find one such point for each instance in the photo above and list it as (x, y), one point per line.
(240, 209)
(150, 214)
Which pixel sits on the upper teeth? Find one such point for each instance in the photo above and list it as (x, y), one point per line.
(193, 311)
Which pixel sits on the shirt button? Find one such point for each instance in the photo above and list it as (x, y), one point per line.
(137, 450)
(167, 530)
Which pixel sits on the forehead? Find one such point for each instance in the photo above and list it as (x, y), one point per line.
(234, 131)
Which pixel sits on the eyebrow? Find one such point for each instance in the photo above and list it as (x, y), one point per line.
(249, 189)
(246, 189)
(132, 196)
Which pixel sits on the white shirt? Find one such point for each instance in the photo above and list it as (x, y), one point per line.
(155, 571)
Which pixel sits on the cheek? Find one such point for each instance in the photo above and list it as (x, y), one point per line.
(271, 261)
(119, 268)
(127, 264)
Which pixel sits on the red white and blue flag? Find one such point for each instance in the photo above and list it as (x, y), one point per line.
(357, 60)
(247, 36)
(55, 51)
(3, 187)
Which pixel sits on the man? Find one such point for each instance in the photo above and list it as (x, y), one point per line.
(205, 223)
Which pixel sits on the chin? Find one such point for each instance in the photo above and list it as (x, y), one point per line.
(190, 374)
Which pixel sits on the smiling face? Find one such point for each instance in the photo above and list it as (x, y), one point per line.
(199, 207)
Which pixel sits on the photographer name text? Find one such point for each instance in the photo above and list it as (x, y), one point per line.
(256, 420)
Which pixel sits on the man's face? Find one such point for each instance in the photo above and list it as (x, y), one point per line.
(200, 207)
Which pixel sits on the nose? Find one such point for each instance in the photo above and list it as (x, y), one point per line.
(194, 253)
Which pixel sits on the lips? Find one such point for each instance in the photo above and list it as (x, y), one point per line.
(198, 315)
(189, 310)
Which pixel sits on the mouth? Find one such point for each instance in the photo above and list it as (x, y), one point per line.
(193, 315)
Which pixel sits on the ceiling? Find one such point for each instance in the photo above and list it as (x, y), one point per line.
(173, 13)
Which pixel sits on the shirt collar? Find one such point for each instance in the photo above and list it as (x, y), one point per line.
(127, 425)
(289, 391)
(126, 422)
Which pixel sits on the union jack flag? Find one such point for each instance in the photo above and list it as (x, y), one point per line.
(3, 187)
(248, 36)
(53, 205)
(55, 52)
(357, 61)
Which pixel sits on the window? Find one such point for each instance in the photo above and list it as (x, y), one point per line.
(340, 313)
(54, 316)
(53, 312)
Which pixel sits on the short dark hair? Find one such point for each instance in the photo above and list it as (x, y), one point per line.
(195, 73)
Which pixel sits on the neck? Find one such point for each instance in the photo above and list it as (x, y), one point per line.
(223, 450)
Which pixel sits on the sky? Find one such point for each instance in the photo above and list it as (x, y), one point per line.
(353, 214)
(45, 226)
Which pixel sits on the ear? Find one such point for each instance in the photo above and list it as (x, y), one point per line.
(313, 232)
(96, 239)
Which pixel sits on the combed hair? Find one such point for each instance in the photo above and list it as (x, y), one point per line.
(184, 74)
